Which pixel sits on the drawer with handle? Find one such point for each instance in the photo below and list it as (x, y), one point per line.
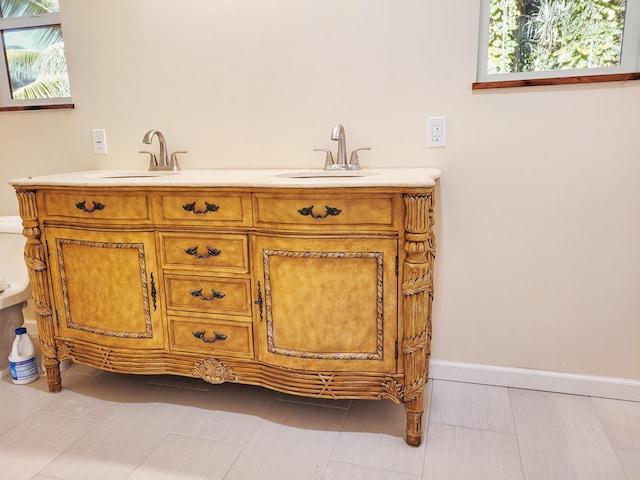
(331, 211)
(225, 253)
(216, 295)
(92, 205)
(220, 337)
(201, 207)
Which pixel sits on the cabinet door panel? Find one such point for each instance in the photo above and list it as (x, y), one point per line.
(105, 285)
(329, 304)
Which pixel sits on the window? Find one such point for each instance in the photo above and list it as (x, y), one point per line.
(539, 42)
(33, 70)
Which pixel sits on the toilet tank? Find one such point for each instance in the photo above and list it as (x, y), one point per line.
(12, 267)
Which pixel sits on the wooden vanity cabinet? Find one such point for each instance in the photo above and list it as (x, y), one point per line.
(321, 292)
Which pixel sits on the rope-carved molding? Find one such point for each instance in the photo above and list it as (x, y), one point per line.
(41, 308)
(35, 264)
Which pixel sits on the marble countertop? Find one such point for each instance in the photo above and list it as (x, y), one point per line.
(287, 178)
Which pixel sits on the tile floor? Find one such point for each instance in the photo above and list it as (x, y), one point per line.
(110, 426)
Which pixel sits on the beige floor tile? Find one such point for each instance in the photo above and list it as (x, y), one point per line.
(182, 382)
(100, 394)
(74, 402)
(455, 453)
(293, 442)
(79, 369)
(230, 413)
(373, 435)
(562, 438)
(321, 402)
(621, 421)
(630, 460)
(115, 447)
(180, 457)
(111, 426)
(471, 405)
(19, 402)
(350, 471)
(35, 442)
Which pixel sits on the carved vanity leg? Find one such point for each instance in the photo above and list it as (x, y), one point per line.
(417, 290)
(34, 256)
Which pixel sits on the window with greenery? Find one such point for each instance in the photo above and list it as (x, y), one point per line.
(538, 39)
(33, 73)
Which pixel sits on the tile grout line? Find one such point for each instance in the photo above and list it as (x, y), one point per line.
(606, 432)
(515, 430)
(335, 441)
(95, 425)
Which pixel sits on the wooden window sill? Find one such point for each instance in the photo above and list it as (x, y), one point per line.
(38, 107)
(613, 77)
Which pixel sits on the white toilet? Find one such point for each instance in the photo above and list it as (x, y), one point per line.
(14, 283)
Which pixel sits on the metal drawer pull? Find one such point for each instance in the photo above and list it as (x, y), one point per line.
(259, 300)
(209, 207)
(154, 293)
(216, 336)
(308, 212)
(83, 206)
(211, 252)
(214, 294)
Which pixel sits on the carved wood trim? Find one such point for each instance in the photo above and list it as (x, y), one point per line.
(392, 390)
(331, 385)
(214, 371)
(65, 350)
(35, 258)
(417, 291)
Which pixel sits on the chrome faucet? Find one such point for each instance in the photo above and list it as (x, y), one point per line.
(338, 134)
(164, 162)
(341, 163)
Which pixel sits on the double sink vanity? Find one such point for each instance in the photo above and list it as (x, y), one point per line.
(314, 283)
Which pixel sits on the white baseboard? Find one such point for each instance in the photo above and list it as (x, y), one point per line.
(590, 385)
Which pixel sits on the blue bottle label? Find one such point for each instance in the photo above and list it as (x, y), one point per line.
(24, 370)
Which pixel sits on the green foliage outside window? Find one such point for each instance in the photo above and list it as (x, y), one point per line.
(35, 56)
(540, 35)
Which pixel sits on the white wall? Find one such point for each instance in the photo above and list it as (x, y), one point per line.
(539, 210)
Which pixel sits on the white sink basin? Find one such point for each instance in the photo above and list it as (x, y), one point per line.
(129, 174)
(326, 174)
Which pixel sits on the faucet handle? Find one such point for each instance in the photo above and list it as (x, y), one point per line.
(153, 161)
(174, 159)
(354, 162)
(328, 161)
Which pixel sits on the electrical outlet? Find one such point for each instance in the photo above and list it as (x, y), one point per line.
(437, 132)
(99, 137)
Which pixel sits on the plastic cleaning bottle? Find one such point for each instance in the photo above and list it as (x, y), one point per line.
(22, 359)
